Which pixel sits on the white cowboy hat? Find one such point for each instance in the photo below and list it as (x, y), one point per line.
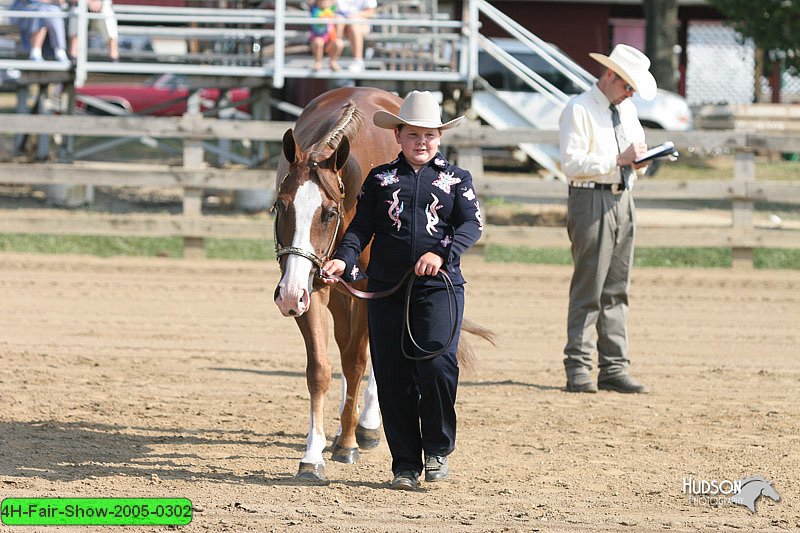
(419, 109)
(632, 66)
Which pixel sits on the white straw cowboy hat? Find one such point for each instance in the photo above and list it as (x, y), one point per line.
(419, 109)
(632, 66)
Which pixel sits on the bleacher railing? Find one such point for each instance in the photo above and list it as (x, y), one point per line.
(269, 33)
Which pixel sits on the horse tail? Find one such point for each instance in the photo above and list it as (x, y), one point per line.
(466, 355)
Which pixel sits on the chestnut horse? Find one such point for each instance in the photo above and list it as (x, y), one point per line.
(325, 160)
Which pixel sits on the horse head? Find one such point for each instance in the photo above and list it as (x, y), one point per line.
(752, 488)
(309, 214)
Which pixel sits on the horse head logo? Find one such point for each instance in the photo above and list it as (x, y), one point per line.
(752, 488)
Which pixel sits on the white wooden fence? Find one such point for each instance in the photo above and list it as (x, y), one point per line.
(194, 175)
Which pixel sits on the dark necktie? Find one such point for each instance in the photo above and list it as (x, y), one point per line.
(619, 136)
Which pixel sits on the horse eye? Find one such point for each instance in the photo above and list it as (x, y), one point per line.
(329, 214)
(281, 204)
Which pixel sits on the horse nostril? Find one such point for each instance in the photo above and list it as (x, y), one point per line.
(292, 312)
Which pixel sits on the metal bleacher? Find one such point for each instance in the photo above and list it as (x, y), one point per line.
(261, 45)
(410, 41)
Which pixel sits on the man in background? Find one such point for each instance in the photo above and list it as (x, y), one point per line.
(600, 138)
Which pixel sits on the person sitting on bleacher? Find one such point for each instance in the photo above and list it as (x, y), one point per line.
(107, 26)
(34, 31)
(355, 33)
(323, 36)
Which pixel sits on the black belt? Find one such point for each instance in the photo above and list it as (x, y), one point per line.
(614, 187)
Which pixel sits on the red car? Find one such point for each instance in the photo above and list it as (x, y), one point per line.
(163, 95)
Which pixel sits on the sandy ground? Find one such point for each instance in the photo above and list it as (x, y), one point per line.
(158, 378)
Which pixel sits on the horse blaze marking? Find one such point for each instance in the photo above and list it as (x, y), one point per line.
(306, 202)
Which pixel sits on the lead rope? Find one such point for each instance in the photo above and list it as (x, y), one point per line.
(407, 280)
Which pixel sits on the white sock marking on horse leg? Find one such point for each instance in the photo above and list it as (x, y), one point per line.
(341, 405)
(315, 441)
(371, 415)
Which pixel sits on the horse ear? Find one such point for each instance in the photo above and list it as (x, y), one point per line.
(339, 157)
(289, 146)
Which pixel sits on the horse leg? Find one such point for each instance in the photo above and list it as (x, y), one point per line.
(314, 326)
(349, 327)
(368, 428)
(368, 431)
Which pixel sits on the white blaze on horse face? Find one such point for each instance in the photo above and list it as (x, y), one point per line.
(295, 286)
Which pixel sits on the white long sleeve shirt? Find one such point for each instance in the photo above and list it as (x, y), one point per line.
(587, 143)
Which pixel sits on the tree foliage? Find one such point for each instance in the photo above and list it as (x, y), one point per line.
(774, 26)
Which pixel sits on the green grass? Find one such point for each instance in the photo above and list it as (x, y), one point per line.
(241, 249)
(521, 254)
(133, 246)
(776, 258)
(683, 257)
(768, 258)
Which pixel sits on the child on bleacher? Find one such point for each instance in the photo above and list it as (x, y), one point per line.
(107, 26)
(323, 36)
(34, 31)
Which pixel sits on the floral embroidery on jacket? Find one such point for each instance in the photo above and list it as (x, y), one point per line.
(445, 180)
(388, 177)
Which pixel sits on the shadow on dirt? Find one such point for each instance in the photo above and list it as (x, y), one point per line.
(73, 451)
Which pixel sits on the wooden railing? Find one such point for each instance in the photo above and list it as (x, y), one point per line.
(767, 118)
(742, 190)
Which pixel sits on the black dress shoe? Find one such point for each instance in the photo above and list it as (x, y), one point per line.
(581, 383)
(405, 480)
(436, 468)
(623, 383)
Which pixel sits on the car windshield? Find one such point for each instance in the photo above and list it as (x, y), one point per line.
(168, 81)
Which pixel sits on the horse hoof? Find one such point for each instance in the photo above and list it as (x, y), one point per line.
(344, 455)
(368, 438)
(311, 471)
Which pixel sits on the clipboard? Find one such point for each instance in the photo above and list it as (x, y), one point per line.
(666, 150)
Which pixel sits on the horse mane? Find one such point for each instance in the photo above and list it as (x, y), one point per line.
(350, 121)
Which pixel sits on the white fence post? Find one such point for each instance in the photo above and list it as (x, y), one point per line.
(744, 171)
(193, 155)
(61, 194)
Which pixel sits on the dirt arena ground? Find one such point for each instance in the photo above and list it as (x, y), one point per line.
(159, 378)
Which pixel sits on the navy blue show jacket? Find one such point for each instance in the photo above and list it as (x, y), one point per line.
(410, 214)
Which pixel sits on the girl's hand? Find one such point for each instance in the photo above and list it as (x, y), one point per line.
(428, 265)
(332, 268)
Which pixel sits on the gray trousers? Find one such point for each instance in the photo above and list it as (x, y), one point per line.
(601, 227)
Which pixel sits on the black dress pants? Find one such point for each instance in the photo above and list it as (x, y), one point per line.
(417, 397)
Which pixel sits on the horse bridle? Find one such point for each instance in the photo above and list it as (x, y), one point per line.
(281, 250)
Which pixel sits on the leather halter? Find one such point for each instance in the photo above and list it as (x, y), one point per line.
(281, 250)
